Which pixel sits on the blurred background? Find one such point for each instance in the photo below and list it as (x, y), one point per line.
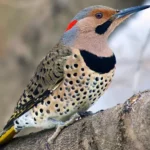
(30, 28)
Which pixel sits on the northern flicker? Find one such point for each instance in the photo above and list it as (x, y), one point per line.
(74, 74)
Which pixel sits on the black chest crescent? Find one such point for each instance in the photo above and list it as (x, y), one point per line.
(98, 64)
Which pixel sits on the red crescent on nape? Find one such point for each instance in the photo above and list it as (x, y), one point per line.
(71, 24)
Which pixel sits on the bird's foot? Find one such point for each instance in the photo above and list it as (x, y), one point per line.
(55, 134)
(85, 113)
(61, 127)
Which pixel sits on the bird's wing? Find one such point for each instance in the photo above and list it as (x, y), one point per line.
(47, 77)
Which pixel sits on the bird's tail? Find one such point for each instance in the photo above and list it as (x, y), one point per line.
(7, 135)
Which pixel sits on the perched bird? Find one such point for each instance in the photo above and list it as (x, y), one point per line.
(73, 76)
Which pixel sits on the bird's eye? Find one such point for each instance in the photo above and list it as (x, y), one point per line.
(99, 15)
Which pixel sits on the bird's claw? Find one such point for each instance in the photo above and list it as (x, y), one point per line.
(85, 113)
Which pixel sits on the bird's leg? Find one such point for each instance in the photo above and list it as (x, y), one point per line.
(60, 127)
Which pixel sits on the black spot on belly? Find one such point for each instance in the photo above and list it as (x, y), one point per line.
(98, 64)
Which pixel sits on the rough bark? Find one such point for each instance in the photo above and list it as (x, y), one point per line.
(123, 127)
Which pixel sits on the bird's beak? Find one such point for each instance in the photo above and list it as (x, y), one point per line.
(128, 11)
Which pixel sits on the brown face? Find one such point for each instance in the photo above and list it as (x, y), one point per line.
(100, 18)
(95, 18)
(91, 27)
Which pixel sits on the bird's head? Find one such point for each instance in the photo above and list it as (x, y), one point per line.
(91, 27)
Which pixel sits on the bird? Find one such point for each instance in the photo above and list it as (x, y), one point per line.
(72, 76)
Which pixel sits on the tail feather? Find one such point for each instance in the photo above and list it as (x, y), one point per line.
(7, 135)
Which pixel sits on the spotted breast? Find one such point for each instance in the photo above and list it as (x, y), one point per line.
(80, 88)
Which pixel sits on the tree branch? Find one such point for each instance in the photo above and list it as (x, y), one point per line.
(123, 127)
